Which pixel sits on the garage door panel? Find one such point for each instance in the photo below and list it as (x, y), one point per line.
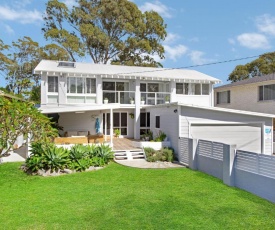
(246, 137)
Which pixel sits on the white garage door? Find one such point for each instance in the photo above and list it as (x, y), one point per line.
(246, 137)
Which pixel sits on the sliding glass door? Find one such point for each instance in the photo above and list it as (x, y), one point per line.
(119, 122)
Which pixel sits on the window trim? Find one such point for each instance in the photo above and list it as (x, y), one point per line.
(84, 86)
(55, 86)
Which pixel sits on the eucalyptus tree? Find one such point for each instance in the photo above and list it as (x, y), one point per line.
(113, 31)
(263, 65)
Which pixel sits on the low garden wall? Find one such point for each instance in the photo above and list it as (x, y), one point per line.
(151, 144)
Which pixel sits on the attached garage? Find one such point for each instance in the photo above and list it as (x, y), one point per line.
(249, 131)
(246, 137)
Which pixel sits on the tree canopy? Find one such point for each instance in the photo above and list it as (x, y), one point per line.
(263, 65)
(113, 31)
(18, 60)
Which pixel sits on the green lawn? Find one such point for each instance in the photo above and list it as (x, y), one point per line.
(118, 197)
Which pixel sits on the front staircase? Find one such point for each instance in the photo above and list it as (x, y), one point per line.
(129, 154)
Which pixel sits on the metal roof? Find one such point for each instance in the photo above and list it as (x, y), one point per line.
(116, 71)
(217, 109)
(252, 80)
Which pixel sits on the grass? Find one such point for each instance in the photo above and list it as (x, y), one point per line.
(118, 197)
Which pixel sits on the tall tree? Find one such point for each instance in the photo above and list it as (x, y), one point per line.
(263, 65)
(107, 31)
(18, 61)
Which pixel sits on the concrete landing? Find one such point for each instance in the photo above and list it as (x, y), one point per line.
(142, 163)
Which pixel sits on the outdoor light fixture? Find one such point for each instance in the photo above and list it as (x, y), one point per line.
(175, 111)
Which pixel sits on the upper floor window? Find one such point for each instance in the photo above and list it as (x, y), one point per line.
(115, 86)
(267, 92)
(182, 88)
(81, 85)
(223, 97)
(192, 89)
(53, 84)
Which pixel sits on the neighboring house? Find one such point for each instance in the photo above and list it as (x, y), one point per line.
(178, 102)
(254, 94)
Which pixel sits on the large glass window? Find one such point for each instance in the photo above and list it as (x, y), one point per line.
(223, 97)
(53, 84)
(192, 89)
(119, 122)
(90, 85)
(267, 92)
(81, 85)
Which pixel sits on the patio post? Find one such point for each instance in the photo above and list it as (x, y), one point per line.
(111, 126)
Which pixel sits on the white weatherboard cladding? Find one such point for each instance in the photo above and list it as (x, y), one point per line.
(191, 116)
(169, 123)
(245, 137)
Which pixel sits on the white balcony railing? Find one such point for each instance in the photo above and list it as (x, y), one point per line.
(150, 98)
(121, 97)
(146, 98)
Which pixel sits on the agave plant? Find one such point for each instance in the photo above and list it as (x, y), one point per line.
(35, 163)
(78, 152)
(56, 158)
(105, 152)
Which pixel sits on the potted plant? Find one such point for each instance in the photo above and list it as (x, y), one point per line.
(167, 99)
(117, 132)
(142, 101)
(132, 100)
(132, 115)
(106, 100)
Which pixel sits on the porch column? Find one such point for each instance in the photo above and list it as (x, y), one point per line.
(62, 89)
(99, 93)
(173, 96)
(111, 126)
(137, 110)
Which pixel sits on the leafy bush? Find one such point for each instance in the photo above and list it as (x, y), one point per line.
(164, 154)
(160, 136)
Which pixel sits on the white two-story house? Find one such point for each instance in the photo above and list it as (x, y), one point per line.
(134, 100)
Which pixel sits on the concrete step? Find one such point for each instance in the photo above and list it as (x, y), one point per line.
(129, 154)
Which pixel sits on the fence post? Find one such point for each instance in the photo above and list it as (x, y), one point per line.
(193, 143)
(228, 164)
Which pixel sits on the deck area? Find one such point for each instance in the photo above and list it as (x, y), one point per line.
(124, 144)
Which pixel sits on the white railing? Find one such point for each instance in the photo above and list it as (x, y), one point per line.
(121, 97)
(128, 97)
(154, 98)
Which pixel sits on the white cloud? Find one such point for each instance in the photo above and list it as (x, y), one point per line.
(171, 37)
(266, 24)
(22, 16)
(70, 3)
(22, 3)
(175, 52)
(253, 41)
(9, 30)
(198, 59)
(157, 6)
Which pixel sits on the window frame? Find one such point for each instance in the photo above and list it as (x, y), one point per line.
(56, 84)
(228, 97)
(262, 94)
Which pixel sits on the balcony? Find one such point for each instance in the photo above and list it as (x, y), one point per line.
(128, 97)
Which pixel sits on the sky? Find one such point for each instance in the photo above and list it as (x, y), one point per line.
(199, 32)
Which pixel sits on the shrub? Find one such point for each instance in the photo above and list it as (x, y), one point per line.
(164, 154)
(160, 136)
